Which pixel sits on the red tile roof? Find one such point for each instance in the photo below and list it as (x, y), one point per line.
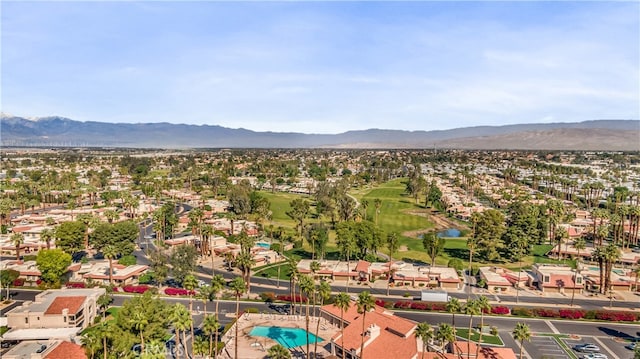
(67, 350)
(362, 266)
(72, 303)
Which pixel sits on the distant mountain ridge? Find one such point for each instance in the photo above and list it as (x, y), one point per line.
(59, 131)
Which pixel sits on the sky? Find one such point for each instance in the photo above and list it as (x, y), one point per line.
(322, 67)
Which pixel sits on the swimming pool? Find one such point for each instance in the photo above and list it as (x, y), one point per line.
(287, 337)
(263, 245)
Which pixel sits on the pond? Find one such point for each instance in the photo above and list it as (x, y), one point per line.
(449, 233)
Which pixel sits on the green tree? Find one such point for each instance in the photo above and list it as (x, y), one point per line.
(365, 304)
(181, 319)
(238, 286)
(521, 333)
(392, 244)
(17, 239)
(445, 334)
(69, 236)
(323, 292)
(126, 332)
(103, 302)
(121, 235)
(140, 322)
(52, 264)
(488, 234)
(278, 352)
(90, 342)
(433, 245)
(210, 326)
(190, 283)
(471, 309)
(425, 333)
(183, 261)
(579, 244)
(299, 211)
(483, 306)
(307, 287)
(47, 235)
(7, 277)
(110, 252)
(342, 302)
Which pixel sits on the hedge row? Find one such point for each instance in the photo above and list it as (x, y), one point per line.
(608, 315)
(287, 298)
(140, 289)
(178, 291)
(76, 285)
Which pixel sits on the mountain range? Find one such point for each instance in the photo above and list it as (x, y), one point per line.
(610, 135)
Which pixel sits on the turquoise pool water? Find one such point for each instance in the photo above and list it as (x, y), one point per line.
(263, 245)
(287, 337)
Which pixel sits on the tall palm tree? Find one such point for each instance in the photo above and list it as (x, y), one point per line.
(17, 239)
(238, 286)
(205, 295)
(483, 305)
(471, 309)
(181, 319)
(103, 302)
(315, 268)
(323, 292)
(307, 287)
(47, 236)
(190, 283)
(378, 204)
(91, 342)
(453, 306)
(245, 261)
(217, 284)
(425, 333)
(155, 350)
(110, 252)
(579, 244)
(342, 302)
(293, 277)
(140, 322)
(521, 333)
(365, 303)
(104, 332)
(278, 352)
(210, 326)
(445, 334)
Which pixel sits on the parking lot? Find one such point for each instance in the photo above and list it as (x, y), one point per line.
(542, 347)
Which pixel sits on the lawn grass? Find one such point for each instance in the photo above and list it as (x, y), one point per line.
(475, 336)
(271, 271)
(279, 207)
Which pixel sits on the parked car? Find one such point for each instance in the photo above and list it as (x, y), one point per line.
(587, 348)
(595, 356)
(632, 346)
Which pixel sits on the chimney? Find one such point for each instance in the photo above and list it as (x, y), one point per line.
(374, 331)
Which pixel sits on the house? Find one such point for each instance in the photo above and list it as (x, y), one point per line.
(45, 349)
(499, 279)
(99, 272)
(557, 278)
(387, 336)
(57, 308)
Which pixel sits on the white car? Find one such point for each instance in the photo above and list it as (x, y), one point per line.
(595, 356)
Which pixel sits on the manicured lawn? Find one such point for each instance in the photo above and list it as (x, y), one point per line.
(272, 271)
(280, 206)
(475, 336)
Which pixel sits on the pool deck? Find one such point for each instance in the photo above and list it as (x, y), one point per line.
(250, 347)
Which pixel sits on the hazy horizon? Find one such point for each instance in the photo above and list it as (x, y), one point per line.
(322, 67)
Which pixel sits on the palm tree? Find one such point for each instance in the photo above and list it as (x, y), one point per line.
(293, 277)
(453, 306)
(245, 261)
(17, 239)
(91, 342)
(190, 283)
(472, 308)
(155, 350)
(110, 252)
(425, 333)
(217, 283)
(392, 244)
(377, 203)
(343, 302)
(307, 287)
(238, 286)
(579, 244)
(278, 352)
(483, 305)
(200, 346)
(205, 295)
(103, 332)
(140, 322)
(323, 291)
(521, 333)
(445, 334)
(315, 268)
(365, 303)
(181, 319)
(103, 302)
(47, 236)
(210, 326)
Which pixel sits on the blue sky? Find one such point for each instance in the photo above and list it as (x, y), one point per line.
(322, 67)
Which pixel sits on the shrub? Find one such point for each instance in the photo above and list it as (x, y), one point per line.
(406, 294)
(500, 310)
(380, 303)
(178, 291)
(146, 278)
(140, 289)
(268, 297)
(616, 316)
(287, 298)
(252, 310)
(522, 312)
(456, 263)
(127, 260)
(590, 314)
(571, 313)
(18, 282)
(545, 313)
(403, 304)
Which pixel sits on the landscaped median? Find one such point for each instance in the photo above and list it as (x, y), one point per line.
(573, 314)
